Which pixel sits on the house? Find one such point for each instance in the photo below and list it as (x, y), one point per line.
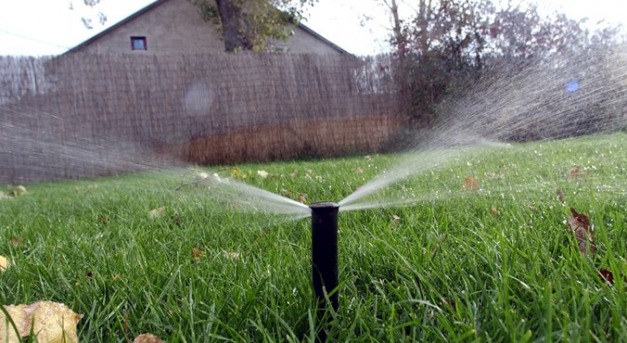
(174, 26)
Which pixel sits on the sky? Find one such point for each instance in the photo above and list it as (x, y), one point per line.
(50, 27)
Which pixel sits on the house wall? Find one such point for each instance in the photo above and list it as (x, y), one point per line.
(171, 27)
(176, 26)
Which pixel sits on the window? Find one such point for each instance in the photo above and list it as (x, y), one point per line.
(138, 43)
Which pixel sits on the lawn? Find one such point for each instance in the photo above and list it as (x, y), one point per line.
(486, 256)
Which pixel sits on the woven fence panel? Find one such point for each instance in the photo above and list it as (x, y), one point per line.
(88, 115)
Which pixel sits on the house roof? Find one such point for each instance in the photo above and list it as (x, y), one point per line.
(317, 35)
(156, 4)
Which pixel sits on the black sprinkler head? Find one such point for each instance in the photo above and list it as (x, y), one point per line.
(324, 257)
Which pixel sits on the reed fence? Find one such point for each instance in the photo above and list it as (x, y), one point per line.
(87, 115)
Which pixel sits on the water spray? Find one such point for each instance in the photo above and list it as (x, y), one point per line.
(324, 259)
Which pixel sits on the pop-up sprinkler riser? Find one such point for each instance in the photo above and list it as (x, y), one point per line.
(324, 257)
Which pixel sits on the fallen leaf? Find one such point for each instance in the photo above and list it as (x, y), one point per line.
(232, 255)
(176, 218)
(395, 218)
(8, 333)
(577, 173)
(284, 192)
(560, 196)
(20, 190)
(202, 175)
(470, 184)
(197, 254)
(302, 198)
(358, 170)
(450, 303)
(580, 224)
(102, 219)
(147, 338)
(156, 213)
(50, 322)
(606, 275)
(16, 241)
(494, 211)
(4, 264)
(215, 177)
(13, 191)
(262, 173)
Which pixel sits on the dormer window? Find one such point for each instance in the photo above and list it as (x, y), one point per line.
(138, 43)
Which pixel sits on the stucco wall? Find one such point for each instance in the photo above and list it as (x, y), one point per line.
(176, 26)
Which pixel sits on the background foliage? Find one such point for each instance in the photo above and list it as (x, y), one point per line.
(449, 44)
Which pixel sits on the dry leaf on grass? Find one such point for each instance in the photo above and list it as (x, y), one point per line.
(147, 338)
(4, 264)
(156, 213)
(13, 191)
(284, 192)
(8, 333)
(449, 303)
(50, 322)
(197, 254)
(470, 184)
(210, 178)
(202, 176)
(580, 224)
(262, 173)
(577, 173)
(231, 255)
(606, 275)
(4, 196)
(19, 190)
(16, 241)
(561, 196)
(584, 232)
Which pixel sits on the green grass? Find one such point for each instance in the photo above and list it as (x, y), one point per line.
(493, 264)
